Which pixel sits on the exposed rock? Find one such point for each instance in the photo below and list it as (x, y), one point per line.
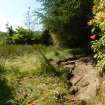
(84, 81)
(73, 90)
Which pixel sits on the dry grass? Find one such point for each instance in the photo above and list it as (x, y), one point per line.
(24, 74)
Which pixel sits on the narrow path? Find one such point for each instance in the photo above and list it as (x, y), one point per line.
(85, 81)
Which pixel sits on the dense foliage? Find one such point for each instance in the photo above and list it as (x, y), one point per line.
(98, 28)
(66, 20)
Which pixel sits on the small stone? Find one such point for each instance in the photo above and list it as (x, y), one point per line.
(73, 90)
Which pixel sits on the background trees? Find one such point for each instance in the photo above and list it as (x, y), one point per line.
(25, 36)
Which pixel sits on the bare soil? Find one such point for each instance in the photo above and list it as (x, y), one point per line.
(85, 81)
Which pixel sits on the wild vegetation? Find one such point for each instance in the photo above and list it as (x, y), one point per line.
(67, 21)
(98, 23)
(31, 71)
(25, 36)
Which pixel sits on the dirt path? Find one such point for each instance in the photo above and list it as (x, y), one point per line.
(88, 85)
(85, 81)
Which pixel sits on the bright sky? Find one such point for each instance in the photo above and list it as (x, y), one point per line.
(14, 12)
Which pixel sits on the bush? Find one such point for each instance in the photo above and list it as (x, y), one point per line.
(98, 21)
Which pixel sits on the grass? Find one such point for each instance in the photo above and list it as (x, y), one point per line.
(27, 80)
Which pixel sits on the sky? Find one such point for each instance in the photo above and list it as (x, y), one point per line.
(14, 12)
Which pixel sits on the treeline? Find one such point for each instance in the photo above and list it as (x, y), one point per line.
(25, 36)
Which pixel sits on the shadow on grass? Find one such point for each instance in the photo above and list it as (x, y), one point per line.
(5, 92)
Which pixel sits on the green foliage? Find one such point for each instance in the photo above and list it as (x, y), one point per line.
(51, 70)
(65, 19)
(96, 1)
(26, 36)
(10, 30)
(98, 46)
(22, 36)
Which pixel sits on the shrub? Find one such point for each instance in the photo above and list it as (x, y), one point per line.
(98, 21)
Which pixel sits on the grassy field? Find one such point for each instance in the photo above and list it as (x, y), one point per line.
(25, 78)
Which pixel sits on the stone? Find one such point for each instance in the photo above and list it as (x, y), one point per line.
(73, 90)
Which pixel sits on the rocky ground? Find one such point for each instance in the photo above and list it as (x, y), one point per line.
(84, 80)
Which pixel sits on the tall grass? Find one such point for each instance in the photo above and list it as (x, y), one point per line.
(27, 77)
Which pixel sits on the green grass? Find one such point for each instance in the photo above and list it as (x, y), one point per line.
(26, 80)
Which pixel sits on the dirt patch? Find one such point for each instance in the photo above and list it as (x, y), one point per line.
(85, 81)
(87, 86)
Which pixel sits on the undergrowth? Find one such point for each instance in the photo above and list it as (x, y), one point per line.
(26, 77)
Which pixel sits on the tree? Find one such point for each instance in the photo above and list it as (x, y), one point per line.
(10, 33)
(10, 30)
(46, 38)
(63, 18)
(30, 24)
(30, 19)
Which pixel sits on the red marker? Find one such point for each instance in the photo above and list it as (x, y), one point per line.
(93, 37)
